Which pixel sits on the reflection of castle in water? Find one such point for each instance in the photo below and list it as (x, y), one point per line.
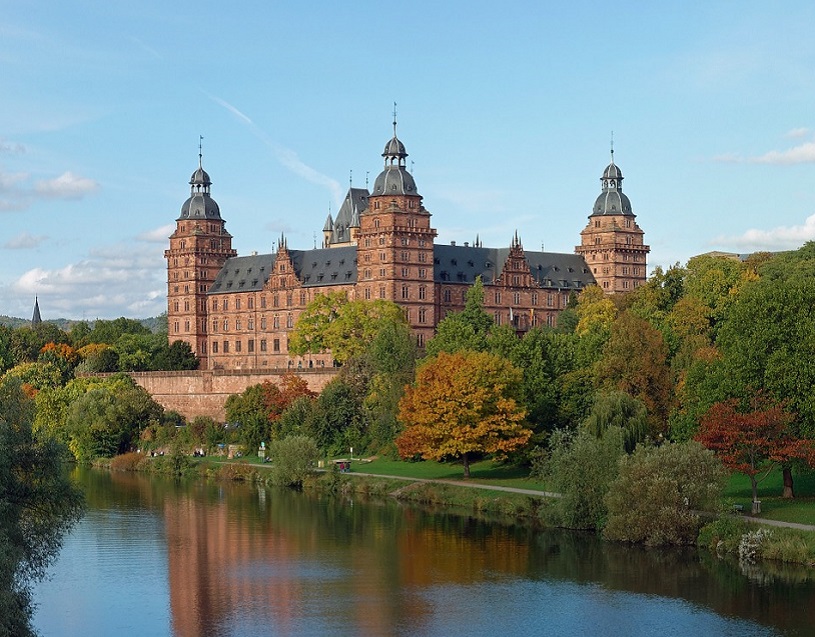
(247, 561)
(277, 558)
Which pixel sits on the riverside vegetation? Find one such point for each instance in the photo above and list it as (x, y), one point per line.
(626, 407)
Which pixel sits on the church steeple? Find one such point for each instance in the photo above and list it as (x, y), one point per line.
(36, 319)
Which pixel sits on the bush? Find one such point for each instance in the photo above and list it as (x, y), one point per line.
(293, 459)
(660, 491)
(581, 467)
(127, 462)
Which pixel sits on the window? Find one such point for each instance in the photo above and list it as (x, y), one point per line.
(447, 296)
(214, 347)
(263, 345)
(226, 347)
(302, 297)
(226, 325)
(422, 293)
(263, 322)
(275, 301)
(367, 294)
(237, 346)
(405, 256)
(250, 345)
(381, 241)
(497, 298)
(186, 326)
(289, 321)
(175, 306)
(405, 272)
(550, 300)
(237, 304)
(381, 291)
(276, 345)
(405, 292)
(516, 298)
(238, 325)
(226, 304)
(214, 304)
(250, 324)
(534, 298)
(276, 322)
(215, 325)
(262, 301)
(250, 302)
(422, 315)
(175, 327)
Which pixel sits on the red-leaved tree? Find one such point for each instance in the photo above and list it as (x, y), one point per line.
(753, 442)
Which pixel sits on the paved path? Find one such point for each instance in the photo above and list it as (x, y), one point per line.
(788, 525)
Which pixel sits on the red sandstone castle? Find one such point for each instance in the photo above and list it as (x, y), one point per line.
(237, 312)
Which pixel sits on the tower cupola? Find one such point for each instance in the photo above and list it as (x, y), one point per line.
(200, 204)
(394, 179)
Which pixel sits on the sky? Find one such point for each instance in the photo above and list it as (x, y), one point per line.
(507, 111)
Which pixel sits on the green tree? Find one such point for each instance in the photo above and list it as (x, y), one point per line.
(465, 330)
(38, 506)
(248, 412)
(293, 460)
(619, 409)
(635, 360)
(463, 404)
(338, 418)
(581, 467)
(660, 491)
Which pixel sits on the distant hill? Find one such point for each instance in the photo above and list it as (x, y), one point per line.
(154, 323)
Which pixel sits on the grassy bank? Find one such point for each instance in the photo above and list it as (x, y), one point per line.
(800, 509)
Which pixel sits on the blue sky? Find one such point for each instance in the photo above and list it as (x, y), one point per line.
(505, 108)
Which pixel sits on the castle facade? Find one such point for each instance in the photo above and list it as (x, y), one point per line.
(237, 312)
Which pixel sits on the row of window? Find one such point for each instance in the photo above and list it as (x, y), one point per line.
(224, 346)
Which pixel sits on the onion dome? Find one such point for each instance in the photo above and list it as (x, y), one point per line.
(200, 205)
(394, 179)
(612, 200)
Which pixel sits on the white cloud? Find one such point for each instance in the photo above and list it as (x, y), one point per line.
(802, 154)
(797, 133)
(157, 235)
(131, 277)
(24, 241)
(778, 238)
(66, 186)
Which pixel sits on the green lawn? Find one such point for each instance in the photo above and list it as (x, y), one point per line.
(773, 507)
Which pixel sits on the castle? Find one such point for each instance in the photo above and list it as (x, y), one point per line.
(237, 312)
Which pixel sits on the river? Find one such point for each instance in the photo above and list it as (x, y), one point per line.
(156, 557)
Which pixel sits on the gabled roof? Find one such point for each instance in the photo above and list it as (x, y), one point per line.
(325, 266)
(355, 203)
(462, 264)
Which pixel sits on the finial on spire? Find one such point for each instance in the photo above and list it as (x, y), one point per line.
(366, 179)
(351, 178)
(200, 150)
(394, 119)
(612, 147)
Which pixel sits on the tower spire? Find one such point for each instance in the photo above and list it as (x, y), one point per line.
(394, 119)
(612, 147)
(200, 151)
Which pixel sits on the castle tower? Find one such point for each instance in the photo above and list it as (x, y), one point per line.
(198, 248)
(612, 242)
(395, 244)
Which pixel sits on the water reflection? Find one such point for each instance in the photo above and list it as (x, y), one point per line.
(235, 559)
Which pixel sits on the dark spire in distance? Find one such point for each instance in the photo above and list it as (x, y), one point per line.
(36, 319)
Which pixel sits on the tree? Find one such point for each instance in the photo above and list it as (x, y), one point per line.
(465, 330)
(247, 411)
(461, 404)
(276, 399)
(293, 460)
(38, 506)
(635, 361)
(345, 328)
(659, 492)
(753, 442)
(766, 345)
(619, 409)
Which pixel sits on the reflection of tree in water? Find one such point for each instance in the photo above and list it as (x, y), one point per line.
(775, 594)
(240, 555)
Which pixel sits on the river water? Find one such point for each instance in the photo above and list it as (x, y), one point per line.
(156, 557)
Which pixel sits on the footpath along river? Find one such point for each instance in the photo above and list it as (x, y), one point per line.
(196, 559)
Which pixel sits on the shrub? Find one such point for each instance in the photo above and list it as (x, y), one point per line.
(660, 491)
(126, 461)
(293, 459)
(581, 467)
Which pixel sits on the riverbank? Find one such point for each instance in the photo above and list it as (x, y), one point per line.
(734, 535)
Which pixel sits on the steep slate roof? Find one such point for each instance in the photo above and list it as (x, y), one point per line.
(462, 264)
(452, 264)
(243, 274)
(325, 266)
(355, 202)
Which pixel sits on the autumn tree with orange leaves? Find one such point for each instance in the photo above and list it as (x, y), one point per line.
(755, 441)
(461, 404)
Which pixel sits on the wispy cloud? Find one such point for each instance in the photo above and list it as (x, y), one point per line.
(287, 157)
(778, 238)
(11, 148)
(803, 153)
(16, 193)
(24, 241)
(797, 133)
(66, 186)
(146, 48)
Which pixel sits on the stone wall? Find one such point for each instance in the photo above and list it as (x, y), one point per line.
(204, 392)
